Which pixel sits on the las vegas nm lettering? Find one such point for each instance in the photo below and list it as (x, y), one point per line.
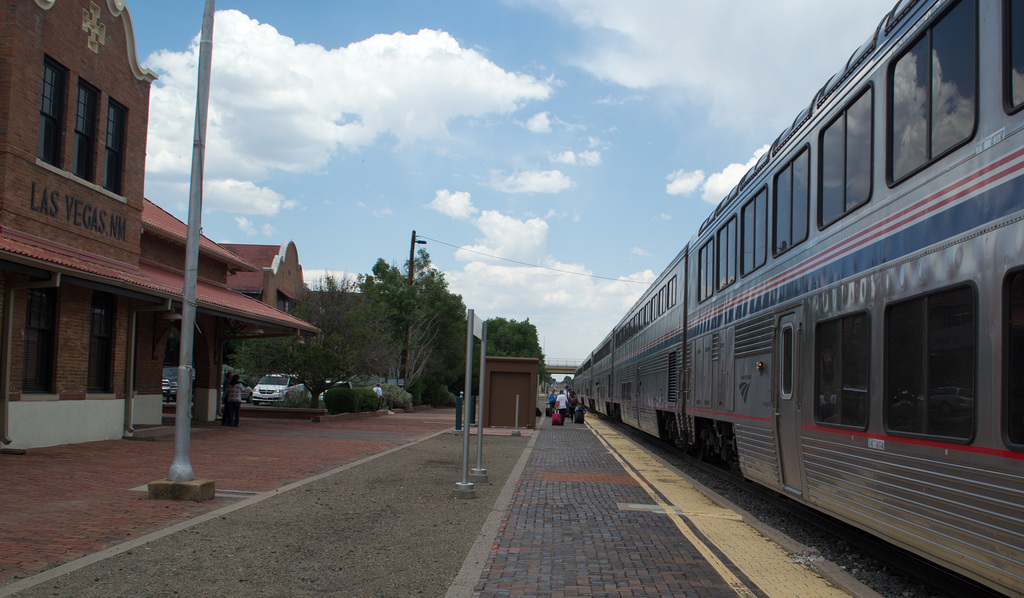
(78, 213)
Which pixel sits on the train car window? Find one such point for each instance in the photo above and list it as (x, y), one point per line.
(754, 243)
(727, 254)
(706, 273)
(841, 370)
(933, 93)
(930, 349)
(672, 292)
(786, 363)
(792, 197)
(846, 161)
(1013, 365)
(1013, 86)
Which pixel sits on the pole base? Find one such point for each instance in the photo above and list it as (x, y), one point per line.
(465, 490)
(196, 490)
(478, 476)
(516, 433)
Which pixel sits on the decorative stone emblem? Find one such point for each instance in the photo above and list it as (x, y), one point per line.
(91, 24)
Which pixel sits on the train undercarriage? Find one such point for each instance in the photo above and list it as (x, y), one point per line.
(708, 439)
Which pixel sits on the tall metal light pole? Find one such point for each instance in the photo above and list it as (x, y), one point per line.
(412, 273)
(181, 468)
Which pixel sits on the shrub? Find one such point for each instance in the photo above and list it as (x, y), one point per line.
(397, 397)
(436, 395)
(295, 400)
(350, 400)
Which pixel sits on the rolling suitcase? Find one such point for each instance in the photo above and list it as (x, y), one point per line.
(556, 419)
(578, 416)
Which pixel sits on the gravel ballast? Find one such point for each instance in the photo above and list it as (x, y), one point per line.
(390, 526)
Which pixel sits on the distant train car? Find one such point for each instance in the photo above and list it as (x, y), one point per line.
(847, 327)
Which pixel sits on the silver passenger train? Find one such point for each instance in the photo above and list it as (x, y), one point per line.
(848, 325)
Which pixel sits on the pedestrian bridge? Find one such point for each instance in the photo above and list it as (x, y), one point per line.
(560, 365)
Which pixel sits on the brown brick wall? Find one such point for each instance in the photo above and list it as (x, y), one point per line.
(54, 204)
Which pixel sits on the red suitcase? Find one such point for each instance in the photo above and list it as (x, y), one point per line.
(556, 419)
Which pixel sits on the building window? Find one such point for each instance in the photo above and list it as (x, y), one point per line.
(1014, 362)
(85, 131)
(51, 112)
(113, 164)
(933, 91)
(930, 349)
(841, 371)
(754, 243)
(101, 335)
(40, 324)
(846, 162)
(792, 198)
(727, 254)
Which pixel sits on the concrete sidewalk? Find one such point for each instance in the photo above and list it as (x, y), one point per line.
(62, 503)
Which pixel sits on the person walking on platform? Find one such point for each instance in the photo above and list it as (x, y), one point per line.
(233, 404)
(562, 404)
(551, 403)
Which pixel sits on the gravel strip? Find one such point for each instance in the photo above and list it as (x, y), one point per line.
(389, 527)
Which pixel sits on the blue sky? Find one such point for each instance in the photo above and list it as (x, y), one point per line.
(588, 138)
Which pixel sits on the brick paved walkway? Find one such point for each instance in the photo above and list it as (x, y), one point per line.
(566, 536)
(595, 515)
(61, 503)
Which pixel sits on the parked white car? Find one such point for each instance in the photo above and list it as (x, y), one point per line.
(275, 387)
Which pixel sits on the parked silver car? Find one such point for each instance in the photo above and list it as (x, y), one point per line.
(275, 387)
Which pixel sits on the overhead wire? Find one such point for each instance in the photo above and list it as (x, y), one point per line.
(505, 259)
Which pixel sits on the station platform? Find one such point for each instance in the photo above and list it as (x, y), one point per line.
(593, 514)
(578, 510)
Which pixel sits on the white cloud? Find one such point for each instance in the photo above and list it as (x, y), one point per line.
(380, 210)
(244, 197)
(720, 184)
(712, 54)
(508, 238)
(245, 225)
(458, 205)
(273, 109)
(681, 182)
(587, 158)
(532, 181)
(640, 252)
(715, 187)
(539, 123)
(540, 288)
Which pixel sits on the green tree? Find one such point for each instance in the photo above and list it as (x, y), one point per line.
(430, 313)
(349, 342)
(509, 338)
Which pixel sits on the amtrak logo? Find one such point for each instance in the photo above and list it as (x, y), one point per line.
(744, 388)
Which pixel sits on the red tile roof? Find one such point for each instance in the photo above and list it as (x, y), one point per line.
(159, 222)
(262, 256)
(147, 278)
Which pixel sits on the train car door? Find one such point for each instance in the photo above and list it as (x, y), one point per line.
(787, 401)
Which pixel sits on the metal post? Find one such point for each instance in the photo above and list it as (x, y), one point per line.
(516, 431)
(480, 474)
(181, 468)
(465, 488)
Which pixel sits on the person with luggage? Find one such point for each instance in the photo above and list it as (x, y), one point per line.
(561, 407)
(551, 402)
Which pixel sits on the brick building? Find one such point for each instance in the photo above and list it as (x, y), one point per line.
(279, 279)
(90, 271)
